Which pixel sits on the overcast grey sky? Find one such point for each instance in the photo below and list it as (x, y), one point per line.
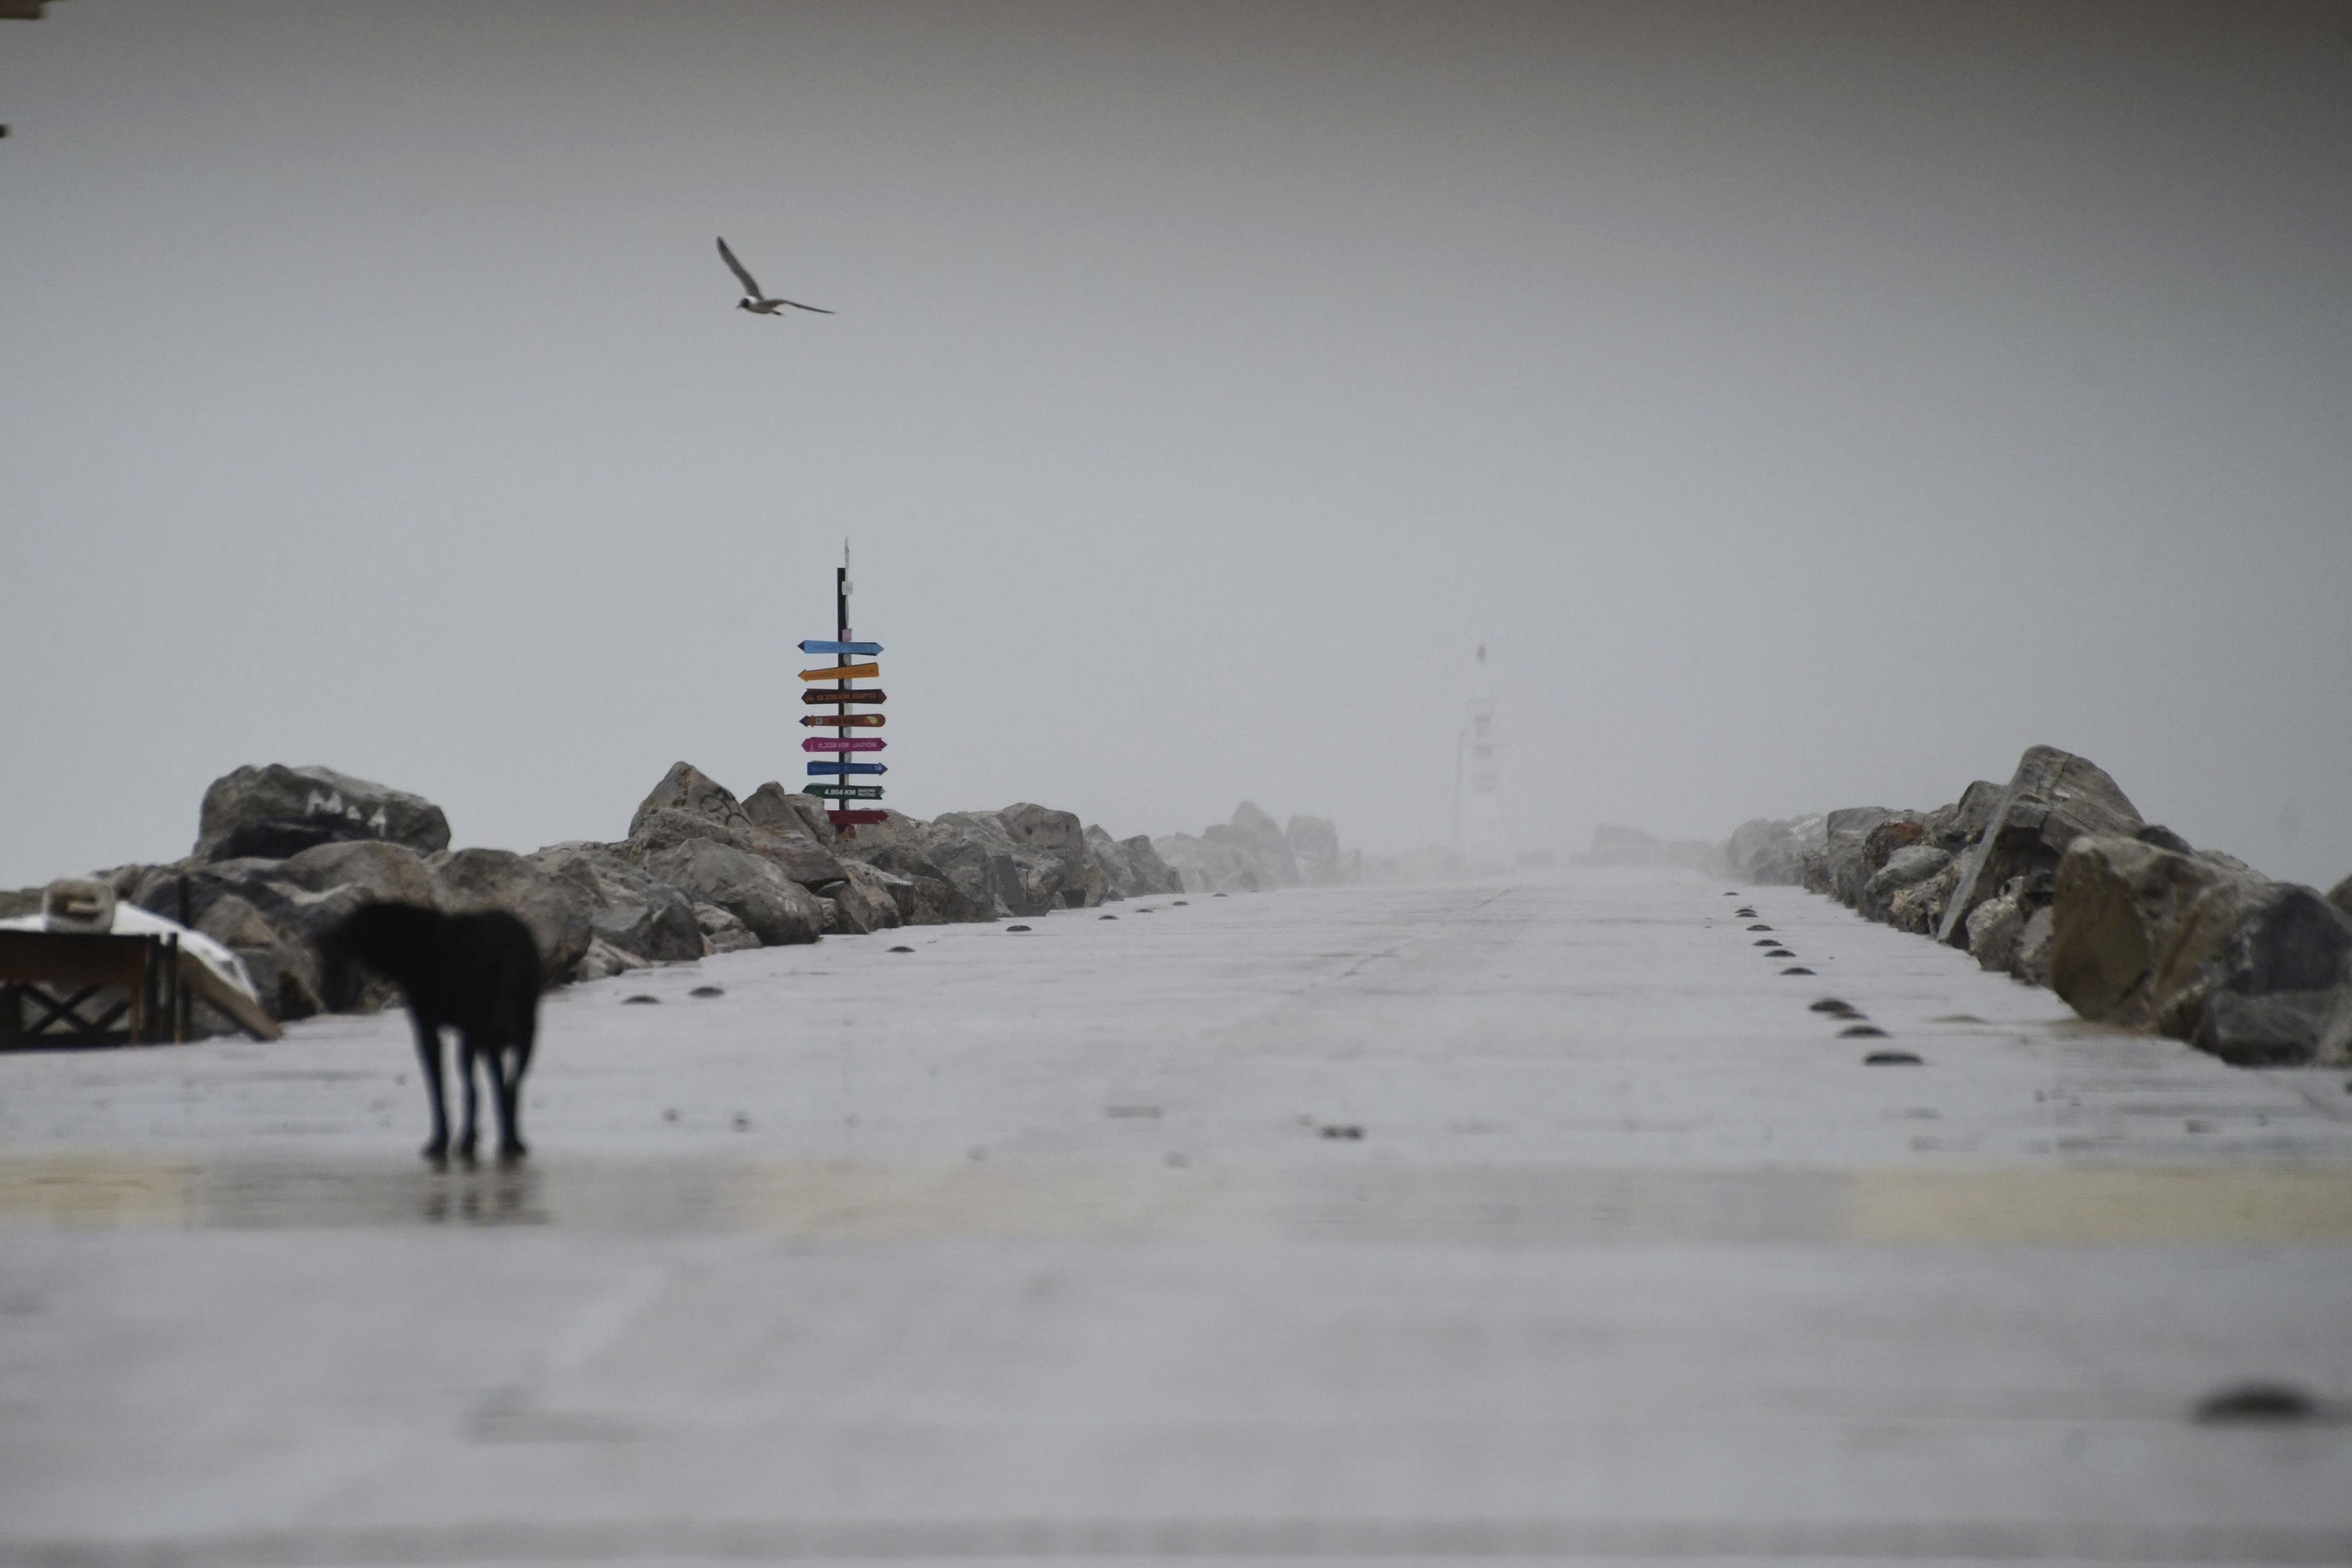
(1809, 405)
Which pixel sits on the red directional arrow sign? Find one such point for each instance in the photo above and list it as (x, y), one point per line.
(856, 818)
(853, 695)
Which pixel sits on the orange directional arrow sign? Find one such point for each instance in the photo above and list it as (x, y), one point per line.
(844, 672)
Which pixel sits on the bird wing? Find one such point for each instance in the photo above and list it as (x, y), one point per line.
(796, 305)
(750, 284)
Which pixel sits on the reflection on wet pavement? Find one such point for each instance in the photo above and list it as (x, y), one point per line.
(1470, 1205)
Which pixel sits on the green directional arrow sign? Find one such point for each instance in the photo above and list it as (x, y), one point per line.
(844, 792)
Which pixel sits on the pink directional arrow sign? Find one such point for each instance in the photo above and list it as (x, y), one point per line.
(859, 743)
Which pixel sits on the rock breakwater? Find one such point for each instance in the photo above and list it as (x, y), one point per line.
(2056, 879)
(284, 854)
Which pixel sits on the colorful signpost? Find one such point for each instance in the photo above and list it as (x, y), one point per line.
(840, 697)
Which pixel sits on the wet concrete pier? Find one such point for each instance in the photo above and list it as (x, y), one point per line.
(1541, 1220)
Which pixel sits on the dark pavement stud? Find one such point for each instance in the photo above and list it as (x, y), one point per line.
(2251, 1404)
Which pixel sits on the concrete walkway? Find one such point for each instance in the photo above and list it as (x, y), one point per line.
(1064, 1244)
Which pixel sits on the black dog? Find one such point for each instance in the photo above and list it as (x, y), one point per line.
(476, 974)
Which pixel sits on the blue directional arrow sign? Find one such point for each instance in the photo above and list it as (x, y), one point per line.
(813, 645)
(815, 768)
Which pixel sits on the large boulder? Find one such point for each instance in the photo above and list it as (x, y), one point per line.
(2118, 906)
(556, 912)
(790, 829)
(282, 838)
(721, 931)
(1962, 823)
(1919, 907)
(863, 901)
(1994, 927)
(1078, 883)
(1027, 882)
(386, 871)
(632, 911)
(1314, 844)
(2274, 990)
(799, 857)
(2288, 1028)
(2340, 895)
(1845, 834)
(1111, 858)
(287, 973)
(688, 789)
(282, 795)
(779, 810)
(951, 875)
(1260, 841)
(752, 888)
(2258, 972)
(1902, 830)
(1903, 870)
(896, 827)
(1772, 853)
(885, 896)
(1153, 876)
(2053, 798)
(939, 891)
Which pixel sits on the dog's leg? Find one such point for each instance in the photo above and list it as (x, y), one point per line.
(467, 1053)
(428, 1055)
(516, 1057)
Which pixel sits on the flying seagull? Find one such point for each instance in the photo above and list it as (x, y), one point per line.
(753, 301)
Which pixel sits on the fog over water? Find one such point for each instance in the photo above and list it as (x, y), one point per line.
(1808, 405)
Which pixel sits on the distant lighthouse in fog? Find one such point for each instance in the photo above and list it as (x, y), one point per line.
(1484, 837)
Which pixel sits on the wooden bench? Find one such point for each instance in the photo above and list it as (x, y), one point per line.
(78, 989)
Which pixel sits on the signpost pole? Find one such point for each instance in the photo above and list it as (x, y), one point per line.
(843, 672)
(844, 658)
